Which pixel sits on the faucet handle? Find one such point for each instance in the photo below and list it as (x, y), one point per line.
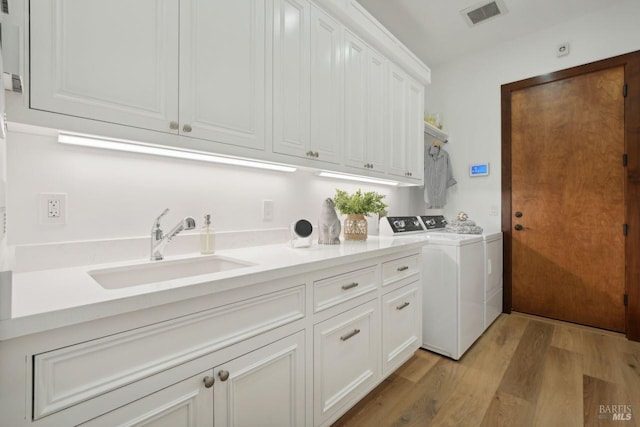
(156, 223)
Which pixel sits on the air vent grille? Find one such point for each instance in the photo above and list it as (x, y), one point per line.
(483, 12)
(5, 6)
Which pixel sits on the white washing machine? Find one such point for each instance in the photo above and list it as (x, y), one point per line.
(453, 278)
(453, 293)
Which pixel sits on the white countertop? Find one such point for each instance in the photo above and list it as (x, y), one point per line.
(48, 299)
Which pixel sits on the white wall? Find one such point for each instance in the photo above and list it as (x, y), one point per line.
(113, 194)
(467, 93)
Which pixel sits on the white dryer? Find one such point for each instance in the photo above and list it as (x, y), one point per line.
(453, 293)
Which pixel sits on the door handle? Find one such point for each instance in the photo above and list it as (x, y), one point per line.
(518, 214)
(518, 227)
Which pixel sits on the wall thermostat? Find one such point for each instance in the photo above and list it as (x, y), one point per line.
(479, 169)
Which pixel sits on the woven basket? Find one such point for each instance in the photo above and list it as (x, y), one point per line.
(355, 227)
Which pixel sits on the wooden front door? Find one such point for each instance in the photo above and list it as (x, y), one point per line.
(568, 199)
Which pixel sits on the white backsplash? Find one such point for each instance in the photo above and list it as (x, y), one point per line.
(113, 198)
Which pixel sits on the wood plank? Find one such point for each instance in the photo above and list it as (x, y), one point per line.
(486, 363)
(523, 376)
(418, 366)
(377, 403)
(560, 398)
(508, 411)
(601, 357)
(423, 402)
(602, 399)
(568, 338)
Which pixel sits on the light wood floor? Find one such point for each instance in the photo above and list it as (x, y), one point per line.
(524, 371)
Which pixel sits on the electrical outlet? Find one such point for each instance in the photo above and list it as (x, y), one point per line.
(493, 210)
(267, 210)
(53, 208)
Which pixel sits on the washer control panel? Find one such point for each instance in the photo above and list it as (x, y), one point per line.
(402, 224)
(433, 222)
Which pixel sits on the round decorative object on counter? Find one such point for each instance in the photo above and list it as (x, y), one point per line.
(355, 227)
(303, 228)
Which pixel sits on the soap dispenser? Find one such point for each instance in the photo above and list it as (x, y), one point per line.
(207, 237)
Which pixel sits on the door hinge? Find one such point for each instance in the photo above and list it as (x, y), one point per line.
(625, 299)
(625, 89)
(625, 159)
(625, 229)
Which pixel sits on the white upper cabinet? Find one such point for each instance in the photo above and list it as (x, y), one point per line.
(114, 61)
(397, 122)
(291, 77)
(326, 87)
(355, 101)
(307, 82)
(365, 107)
(415, 130)
(273, 80)
(406, 133)
(222, 68)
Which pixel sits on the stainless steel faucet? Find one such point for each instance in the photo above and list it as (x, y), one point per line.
(159, 240)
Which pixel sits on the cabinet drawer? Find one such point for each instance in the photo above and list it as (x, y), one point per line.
(70, 375)
(346, 349)
(401, 317)
(399, 269)
(334, 290)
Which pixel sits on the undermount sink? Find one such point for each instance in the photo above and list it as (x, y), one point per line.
(160, 271)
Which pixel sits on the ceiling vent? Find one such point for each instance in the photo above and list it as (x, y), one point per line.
(483, 12)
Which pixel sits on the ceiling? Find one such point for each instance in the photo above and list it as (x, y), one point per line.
(436, 31)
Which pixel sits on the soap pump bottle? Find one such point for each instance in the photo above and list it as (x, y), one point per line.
(207, 237)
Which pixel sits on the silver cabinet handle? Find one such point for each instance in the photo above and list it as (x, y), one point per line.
(349, 286)
(350, 335)
(187, 128)
(223, 375)
(403, 268)
(208, 381)
(173, 125)
(402, 306)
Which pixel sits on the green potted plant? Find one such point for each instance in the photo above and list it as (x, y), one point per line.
(355, 207)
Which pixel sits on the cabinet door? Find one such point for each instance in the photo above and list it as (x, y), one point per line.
(377, 110)
(263, 388)
(415, 131)
(345, 360)
(401, 317)
(355, 101)
(114, 61)
(397, 122)
(326, 87)
(188, 403)
(291, 77)
(222, 69)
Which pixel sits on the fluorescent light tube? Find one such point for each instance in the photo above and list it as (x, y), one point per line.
(327, 174)
(156, 150)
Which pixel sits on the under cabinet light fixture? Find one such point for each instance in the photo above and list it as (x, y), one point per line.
(157, 150)
(327, 174)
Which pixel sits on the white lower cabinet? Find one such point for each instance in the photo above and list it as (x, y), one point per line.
(401, 314)
(346, 349)
(264, 388)
(188, 403)
(299, 351)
